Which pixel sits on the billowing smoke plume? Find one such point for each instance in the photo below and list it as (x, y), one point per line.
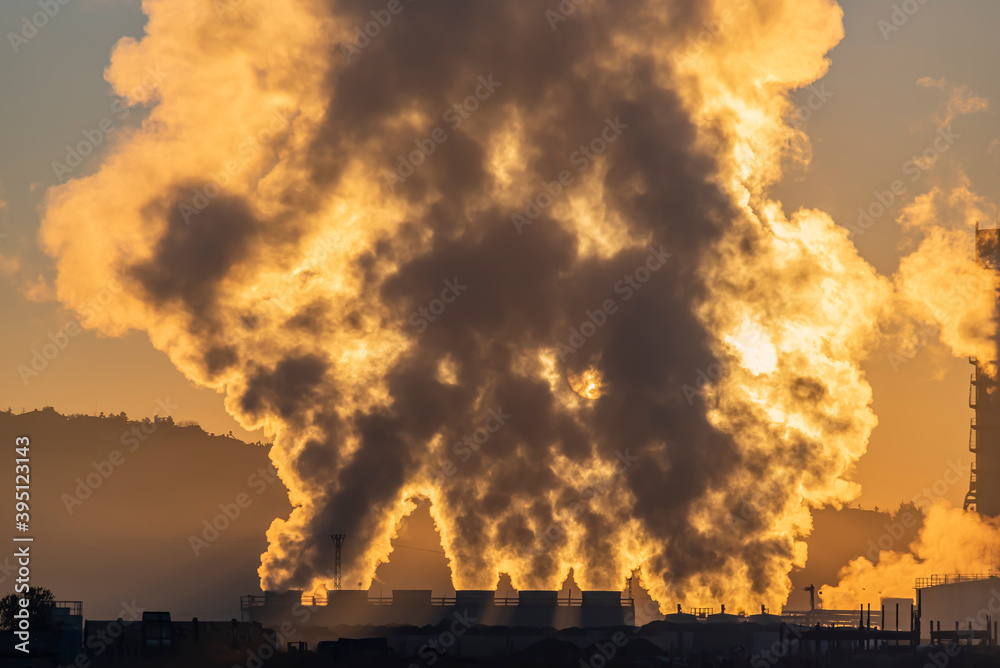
(940, 283)
(518, 258)
(941, 287)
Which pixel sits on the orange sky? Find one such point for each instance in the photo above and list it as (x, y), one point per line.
(874, 101)
(886, 98)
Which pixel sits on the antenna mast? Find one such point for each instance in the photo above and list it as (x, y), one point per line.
(339, 540)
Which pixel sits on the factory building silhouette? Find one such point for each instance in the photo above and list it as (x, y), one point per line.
(418, 606)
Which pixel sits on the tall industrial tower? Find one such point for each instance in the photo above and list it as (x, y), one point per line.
(338, 539)
(984, 397)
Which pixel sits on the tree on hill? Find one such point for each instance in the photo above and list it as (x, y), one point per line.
(40, 605)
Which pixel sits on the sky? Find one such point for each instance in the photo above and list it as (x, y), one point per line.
(62, 93)
(883, 101)
(874, 121)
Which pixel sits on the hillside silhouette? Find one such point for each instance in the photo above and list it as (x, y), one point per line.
(115, 501)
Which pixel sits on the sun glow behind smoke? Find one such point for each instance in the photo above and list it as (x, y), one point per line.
(322, 304)
(587, 384)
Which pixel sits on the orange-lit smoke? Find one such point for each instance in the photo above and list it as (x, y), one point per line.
(486, 257)
(951, 541)
(940, 283)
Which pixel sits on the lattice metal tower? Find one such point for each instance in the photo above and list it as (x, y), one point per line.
(338, 539)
